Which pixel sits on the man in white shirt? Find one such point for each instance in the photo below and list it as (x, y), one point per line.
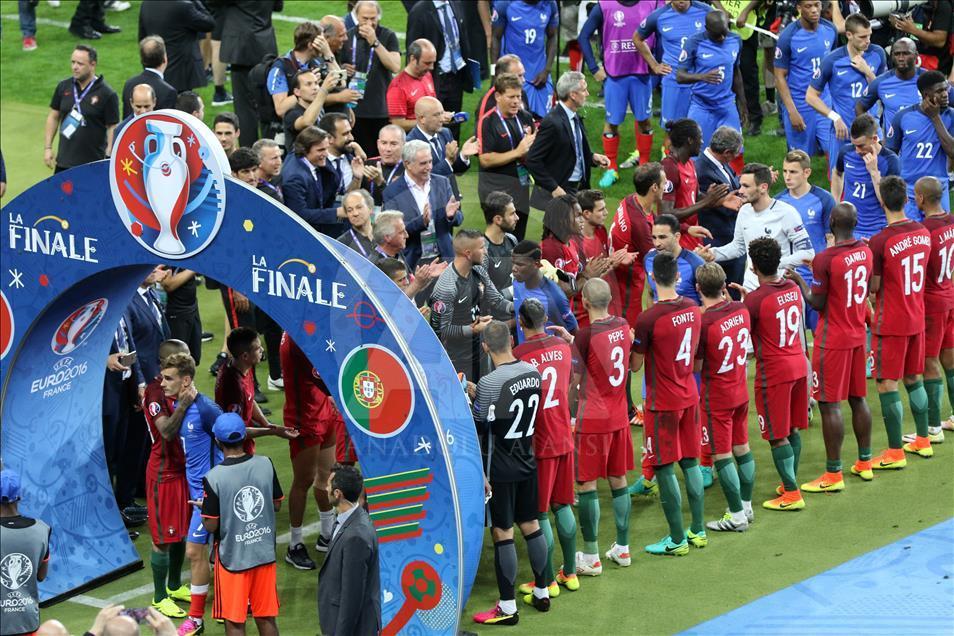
(761, 216)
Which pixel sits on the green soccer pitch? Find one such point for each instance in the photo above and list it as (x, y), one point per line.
(654, 595)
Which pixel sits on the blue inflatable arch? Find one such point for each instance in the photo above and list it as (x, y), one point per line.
(77, 245)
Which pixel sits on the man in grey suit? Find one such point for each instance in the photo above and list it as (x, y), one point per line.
(349, 582)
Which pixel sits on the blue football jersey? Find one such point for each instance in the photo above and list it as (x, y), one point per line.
(201, 453)
(815, 209)
(859, 189)
(687, 262)
(801, 52)
(912, 137)
(525, 31)
(673, 29)
(702, 55)
(893, 93)
(845, 84)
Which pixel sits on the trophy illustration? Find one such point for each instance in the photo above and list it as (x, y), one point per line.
(166, 179)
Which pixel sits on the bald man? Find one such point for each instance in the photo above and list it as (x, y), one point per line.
(411, 84)
(142, 100)
(449, 158)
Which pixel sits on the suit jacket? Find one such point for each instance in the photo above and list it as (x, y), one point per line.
(247, 32)
(165, 92)
(148, 334)
(551, 158)
(441, 166)
(423, 22)
(181, 23)
(349, 581)
(720, 221)
(312, 200)
(398, 196)
(377, 192)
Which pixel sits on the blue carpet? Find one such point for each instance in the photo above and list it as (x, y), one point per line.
(902, 589)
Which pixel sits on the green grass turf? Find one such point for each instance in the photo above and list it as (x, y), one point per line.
(654, 596)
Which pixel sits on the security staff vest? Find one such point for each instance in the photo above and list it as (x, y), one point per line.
(246, 513)
(21, 552)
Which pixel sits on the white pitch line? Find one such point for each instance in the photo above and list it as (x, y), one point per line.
(47, 21)
(122, 597)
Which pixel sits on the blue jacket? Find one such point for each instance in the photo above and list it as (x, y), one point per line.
(312, 200)
(148, 334)
(398, 196)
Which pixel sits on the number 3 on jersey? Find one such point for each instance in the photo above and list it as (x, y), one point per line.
(619, 369)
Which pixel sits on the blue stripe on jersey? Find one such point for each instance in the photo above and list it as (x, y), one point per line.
(815, 209)
(673, 29)
(859, 189)
(801, 52)
(525, 31)
(845, 83)
(702, 55)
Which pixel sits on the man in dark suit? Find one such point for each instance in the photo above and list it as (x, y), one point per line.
(556, 170)
(349, 582)
(247, 37)
(449, 159)
(309, 185)
(180, 24)
(441, 22)
(152, 54)
(430, 209)
(383, 170)
(713, 166)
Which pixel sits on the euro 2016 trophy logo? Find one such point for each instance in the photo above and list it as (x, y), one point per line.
(168, 184)
(78, 326)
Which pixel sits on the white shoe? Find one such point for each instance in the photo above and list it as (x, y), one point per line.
(118, 5)
(749, 513)
(619, 554)
(935, 435)
(54, 3)
(588, 565)
(276, 385)
(948, 424)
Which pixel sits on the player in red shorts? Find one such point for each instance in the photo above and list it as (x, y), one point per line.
(839, 293)
(901, 253)
(552, 441)
(938, 308)
(604, 445)
(167, 492)
(310, 410)
(667, 337)
(781, 369)
(724, 395)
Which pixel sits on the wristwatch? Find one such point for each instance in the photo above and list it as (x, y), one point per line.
(376, 44)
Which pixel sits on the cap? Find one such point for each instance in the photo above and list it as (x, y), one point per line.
(229, 427)
(9, 486)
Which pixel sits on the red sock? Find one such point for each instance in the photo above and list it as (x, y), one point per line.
(649, 473)
(738, 163)
(197, 607)
(575, 54)
(611, 149)
(644, 144)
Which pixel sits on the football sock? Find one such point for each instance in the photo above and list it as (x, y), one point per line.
(327, 518)
(949, 375)
(505, 565)
(746, 475)
(729, 480)
(785, 465)
(295, 536)
(197, 606)
(611, 149)
(864, 453)
(705, 458)
(160, 569)
(918, 399)
(575, 53)
(795, 441)
(644, 144)
(833, 465)
(671, 500)
(176, 557)
(893, 412)
(544, 520)
(622, 509)
(694, 492)
(589, 511)
(537, 553)
(566, 531)
(933, 387)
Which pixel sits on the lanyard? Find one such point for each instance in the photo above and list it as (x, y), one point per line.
(354, 53)
(357, 241)
(79, 97)
(388, 179)
(268, 185)
(507, 128)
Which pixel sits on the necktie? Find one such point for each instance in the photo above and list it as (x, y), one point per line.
(578, 139)
(153, 302)
(438, 148)
(451, 37)
(337, 164)
(334, 529)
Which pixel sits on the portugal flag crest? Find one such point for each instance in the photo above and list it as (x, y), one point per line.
(377, 392)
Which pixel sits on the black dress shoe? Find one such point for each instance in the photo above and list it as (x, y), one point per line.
(133, 535)
(132, 522)
(106, 28)
(260, 397)
(86, 33)
(135, 510)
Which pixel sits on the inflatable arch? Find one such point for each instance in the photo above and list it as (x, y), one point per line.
(77, 245)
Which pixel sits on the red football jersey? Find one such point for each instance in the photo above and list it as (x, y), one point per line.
(685, 186)
(551, 356)
(668, 335)
(842, 272)
(602, 358)
(302, 402)
(775, 310)
(594, 247)
(166, 458)
(234, 392)
(938, 289)
(723, 349)
(901, 252)
(565, 256)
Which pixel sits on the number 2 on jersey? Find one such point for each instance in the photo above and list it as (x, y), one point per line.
(726, 343)
(549, 377)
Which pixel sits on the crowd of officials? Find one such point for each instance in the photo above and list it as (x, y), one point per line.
(364, 140)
